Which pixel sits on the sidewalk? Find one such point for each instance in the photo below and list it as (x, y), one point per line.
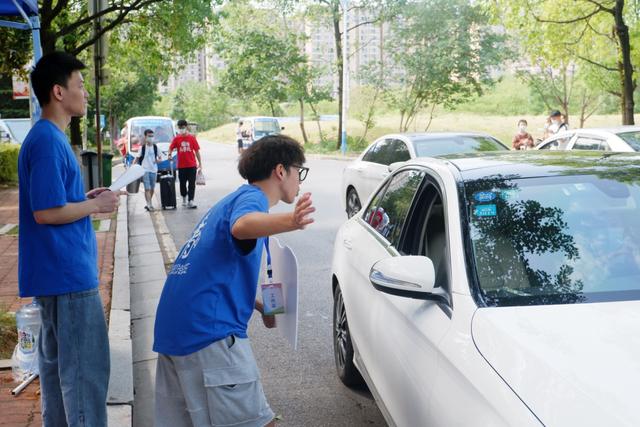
(24, 410)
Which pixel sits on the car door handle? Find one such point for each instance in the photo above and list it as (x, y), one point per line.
(347, 243)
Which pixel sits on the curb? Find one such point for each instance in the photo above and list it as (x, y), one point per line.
(120, 393)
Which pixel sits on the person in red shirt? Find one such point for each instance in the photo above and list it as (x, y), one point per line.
(188, 151)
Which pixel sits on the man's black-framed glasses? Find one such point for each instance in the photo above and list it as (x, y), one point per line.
(302, 172)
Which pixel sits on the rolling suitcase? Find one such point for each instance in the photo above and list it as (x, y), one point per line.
(168, 191)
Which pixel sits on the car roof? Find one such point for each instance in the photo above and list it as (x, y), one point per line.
(613, 129)
(528, 164)
(602, 131)
(433, 135)
(258, 118)
(150, 118)
(24, 119)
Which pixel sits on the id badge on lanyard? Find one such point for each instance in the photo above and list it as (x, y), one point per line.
(272, 296)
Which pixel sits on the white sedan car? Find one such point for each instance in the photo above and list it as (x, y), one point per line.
(363, 175)
(495, 290)
(619, 139)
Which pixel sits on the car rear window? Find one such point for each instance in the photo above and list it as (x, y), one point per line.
(631, 138)
(429, 147)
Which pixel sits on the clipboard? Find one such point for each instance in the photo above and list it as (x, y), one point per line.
(285, 271)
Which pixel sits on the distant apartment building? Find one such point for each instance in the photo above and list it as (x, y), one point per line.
(366, 45)
(200, 67)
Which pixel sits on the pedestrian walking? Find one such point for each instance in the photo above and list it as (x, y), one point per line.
(149, 160)
(523, 139)
(206, 372)
(189, 162)
(240, 136)
(57, 252)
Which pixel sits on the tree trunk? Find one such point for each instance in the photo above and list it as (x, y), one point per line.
(628, 84)
(338, 40)
(317, 116)
(304, 133)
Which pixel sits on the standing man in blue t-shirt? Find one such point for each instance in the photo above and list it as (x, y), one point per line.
(57, 252)
(206, 372)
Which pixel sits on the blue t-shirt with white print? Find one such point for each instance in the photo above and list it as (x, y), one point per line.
(52, 259)
(210, 292)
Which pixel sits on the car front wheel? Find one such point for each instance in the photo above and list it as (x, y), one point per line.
(353, 203)
(342, 346)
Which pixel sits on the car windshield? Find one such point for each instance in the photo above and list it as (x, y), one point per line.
(631, 138)
(162, 129)
(429, 147)
(19, 128)
(265, 127)
(556, 240)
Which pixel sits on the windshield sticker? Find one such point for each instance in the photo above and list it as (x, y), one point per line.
(484, 196)
(508, 194)
(485, 210)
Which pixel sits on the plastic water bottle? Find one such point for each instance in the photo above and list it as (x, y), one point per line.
(25, 355)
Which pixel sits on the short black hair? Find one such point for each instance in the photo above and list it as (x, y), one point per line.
(147, 132)
(262, 157)
(52, 69)
(182, 123)
(555, 113)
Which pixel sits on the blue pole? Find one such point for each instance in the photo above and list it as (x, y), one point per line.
(37, 54)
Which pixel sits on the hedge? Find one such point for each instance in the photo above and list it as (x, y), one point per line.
(9, 163)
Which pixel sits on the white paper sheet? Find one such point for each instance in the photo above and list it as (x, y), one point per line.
(285, 271)
(132, 173)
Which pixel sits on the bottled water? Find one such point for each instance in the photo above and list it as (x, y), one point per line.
(25, 355)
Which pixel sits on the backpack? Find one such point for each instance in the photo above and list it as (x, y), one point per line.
(144, 146)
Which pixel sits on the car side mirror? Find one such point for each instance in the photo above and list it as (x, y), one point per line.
(406, 276)
(395, 165)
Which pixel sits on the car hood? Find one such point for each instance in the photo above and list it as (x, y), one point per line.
(570, 364)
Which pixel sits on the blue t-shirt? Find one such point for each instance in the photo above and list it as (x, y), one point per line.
(52, 259)
(210, 292)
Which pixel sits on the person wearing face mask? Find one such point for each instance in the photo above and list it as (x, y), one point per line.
(149, 161)
(206, 372)
(523, 139)
(188, 151)
(557, 123)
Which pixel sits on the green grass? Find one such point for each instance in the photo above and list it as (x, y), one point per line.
(13, 231)
(8, 334)
(501, 127)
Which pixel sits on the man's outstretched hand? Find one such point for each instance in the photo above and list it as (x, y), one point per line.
(302, 211)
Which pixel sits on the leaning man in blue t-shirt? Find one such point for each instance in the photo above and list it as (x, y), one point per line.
(206, 372)
(57, 252)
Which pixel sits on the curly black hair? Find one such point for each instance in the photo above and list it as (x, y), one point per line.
(257, 161)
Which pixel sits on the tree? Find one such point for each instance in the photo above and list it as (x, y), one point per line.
(445, 52)
(265, 62)
(331, 12)
(594, 32)
(174, 27)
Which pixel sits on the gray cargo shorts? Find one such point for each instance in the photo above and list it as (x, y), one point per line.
(216, 386)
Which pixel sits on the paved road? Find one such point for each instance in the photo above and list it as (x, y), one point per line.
(301, 386)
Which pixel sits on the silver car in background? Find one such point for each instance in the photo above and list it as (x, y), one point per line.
(14, 131)
(617, 139)
(363, 175)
